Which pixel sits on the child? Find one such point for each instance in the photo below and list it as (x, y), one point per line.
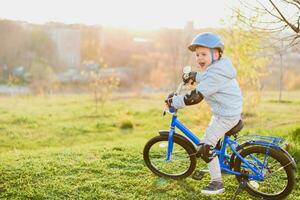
(216, 83)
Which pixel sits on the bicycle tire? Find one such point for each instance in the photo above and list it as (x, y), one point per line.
(279, 157)
(190, 152)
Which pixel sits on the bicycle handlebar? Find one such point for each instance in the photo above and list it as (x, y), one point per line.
(172, 109)
(179, 88)
(186, 71)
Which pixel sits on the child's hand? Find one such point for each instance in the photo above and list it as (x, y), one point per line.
(189, 78)
(168, 100)
(175, 101)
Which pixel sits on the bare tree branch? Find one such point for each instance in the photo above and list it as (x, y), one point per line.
(252, 8)
(297, 1)
(293, 3)
(261, 27)
(268, 16)
(284, 19)
(268, 11)
(294, 41)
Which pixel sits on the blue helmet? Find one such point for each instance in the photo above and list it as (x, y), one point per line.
(207, 39)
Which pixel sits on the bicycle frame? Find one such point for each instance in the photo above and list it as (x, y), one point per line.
(223, 156)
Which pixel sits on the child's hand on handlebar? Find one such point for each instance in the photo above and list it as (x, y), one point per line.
(189, 77)
(168, 100)
(175, 101)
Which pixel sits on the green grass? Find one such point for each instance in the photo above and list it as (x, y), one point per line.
(59, 148)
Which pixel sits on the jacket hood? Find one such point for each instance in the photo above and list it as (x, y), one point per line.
(223, 67)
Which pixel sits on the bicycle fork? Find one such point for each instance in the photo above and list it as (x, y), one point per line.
(170, 144)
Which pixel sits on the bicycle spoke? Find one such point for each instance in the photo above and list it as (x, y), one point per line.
(271, 184)
(179, 163)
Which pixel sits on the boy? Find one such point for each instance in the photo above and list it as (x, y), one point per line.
(216, 83)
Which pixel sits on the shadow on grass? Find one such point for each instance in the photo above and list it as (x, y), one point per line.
(163, 185)
(282, 101)
(295, 151)
(248, 115)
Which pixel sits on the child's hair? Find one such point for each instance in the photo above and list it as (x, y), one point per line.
(220, 53)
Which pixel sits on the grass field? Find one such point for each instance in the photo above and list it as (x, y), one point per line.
(58, 147)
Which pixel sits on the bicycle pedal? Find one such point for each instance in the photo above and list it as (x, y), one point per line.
(198, 175)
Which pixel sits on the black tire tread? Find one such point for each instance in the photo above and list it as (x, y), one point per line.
(279, 156)
(185, 144)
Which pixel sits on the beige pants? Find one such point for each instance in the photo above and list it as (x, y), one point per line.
(216, 130)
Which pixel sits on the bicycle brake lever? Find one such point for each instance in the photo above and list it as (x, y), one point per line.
(164, 112)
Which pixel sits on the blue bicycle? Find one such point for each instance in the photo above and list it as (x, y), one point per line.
(262, 167)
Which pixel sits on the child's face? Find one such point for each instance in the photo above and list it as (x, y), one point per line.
(203, 57)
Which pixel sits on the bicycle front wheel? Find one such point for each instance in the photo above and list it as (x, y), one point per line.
(183, 160)
(279, 175)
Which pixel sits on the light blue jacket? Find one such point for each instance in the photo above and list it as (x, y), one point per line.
(220, 89)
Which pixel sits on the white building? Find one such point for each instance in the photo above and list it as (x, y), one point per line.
(68, 45)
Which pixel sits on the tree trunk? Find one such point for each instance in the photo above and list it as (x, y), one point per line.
(280, 78)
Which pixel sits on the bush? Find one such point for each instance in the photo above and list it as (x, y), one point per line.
(296, 136)
(126, 124)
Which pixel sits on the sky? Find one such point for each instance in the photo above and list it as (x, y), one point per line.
(142, 14)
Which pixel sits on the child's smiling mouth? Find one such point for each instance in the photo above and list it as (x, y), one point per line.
(201, 64)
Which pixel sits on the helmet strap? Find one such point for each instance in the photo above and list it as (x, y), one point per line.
(212, 55)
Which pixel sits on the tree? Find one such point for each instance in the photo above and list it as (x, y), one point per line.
(90, 44)
(12, 40)
(174, 47)
(275, 16)
(39, 48)
(102, 87)
(280, 18)
(43, 78)
(244, 49)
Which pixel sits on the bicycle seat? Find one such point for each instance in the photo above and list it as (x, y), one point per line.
(235, 129)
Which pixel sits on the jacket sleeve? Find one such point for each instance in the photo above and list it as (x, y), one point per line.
(199, 76)
(209, 83)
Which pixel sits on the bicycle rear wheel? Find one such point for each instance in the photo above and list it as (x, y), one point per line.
(183, 160)
(279, 175)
